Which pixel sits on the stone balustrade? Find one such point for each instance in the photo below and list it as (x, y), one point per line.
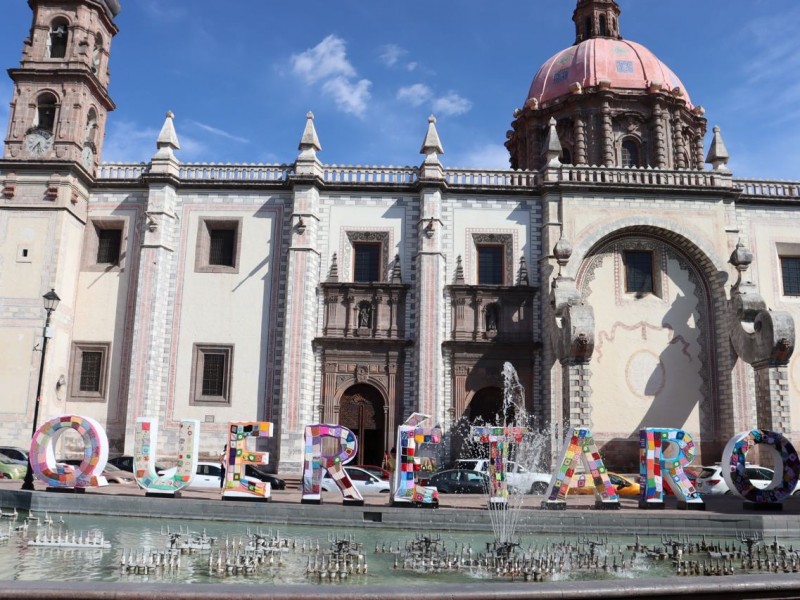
(475, 178)
(768, 189)
(359, 175)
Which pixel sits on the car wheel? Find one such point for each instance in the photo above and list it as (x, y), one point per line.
(539, 488)
(729, 493)
(796, 493)
(384, 491)
(6, 476)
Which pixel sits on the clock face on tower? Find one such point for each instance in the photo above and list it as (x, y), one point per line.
(87, 157)
(39, 142)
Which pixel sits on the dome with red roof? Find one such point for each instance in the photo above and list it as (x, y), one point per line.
(603, 62)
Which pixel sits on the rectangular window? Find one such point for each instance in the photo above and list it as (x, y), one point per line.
(222, 244)
(104, 244)
(88, 371)
(790, 273)
(91, 371)
(366, 262)
(211, 378)
(638, 271)
(490, 265)
(109, 242)
(218, 245)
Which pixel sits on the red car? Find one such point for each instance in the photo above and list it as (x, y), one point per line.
(377, 471)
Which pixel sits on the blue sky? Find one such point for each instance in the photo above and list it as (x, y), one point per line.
(240, 75)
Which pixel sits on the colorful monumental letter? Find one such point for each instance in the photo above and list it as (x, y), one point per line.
(655, 467)
(409, 436)
(316, 462)
(787, 466)
(144, 457)
(237, 484)
(498, 439)
(579, 445)
(95, 453)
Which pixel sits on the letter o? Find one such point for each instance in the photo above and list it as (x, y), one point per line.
(95, 453)
(787, 463)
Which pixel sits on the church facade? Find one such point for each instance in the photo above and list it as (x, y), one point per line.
(618, 265)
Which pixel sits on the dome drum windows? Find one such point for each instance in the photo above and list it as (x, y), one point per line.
(631, 153)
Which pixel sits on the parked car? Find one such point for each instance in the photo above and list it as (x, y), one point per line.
(275, 482)
(10, 469)
(111, 473)
(459, 481)
(519, 479)
(583, 484)
(379, 472)
(126, 464)
(711, 481)
(364, 481)
(15, 453)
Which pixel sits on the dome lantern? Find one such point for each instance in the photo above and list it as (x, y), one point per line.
(596, 18)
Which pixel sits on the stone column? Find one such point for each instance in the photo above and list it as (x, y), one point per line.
(608, 135)
(298, 395)
(660, 136)
(580, 157)
(154, 314)
(772, 397)
(577, 392)
(678, 141)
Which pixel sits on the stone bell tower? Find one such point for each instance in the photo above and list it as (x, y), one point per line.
(53, 142)
(61, 101)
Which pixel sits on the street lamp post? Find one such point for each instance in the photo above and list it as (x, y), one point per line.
(51, 301)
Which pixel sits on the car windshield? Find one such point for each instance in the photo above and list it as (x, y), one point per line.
(467, 464)
(5, 460)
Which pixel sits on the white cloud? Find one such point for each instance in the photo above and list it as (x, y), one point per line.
(451, 104)
(349, 97)
(326, 59)
(390, 54)
(218, 132)
(411, 66)
(416, 95)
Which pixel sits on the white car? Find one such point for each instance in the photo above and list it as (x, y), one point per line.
(364, 481)
(519, 479)
(711, 481)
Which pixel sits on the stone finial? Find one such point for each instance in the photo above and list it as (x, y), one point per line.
(309, 142)
(431, 145)
(307, 162)
(718, 154)
(552, 146)
(397, 276)
(459, 278)
(167, 141)
(741, 258)
(431, 148)
(562, 252)
(333, 272)
(522, 277)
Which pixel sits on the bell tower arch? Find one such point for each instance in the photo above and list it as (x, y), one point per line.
(61, 99)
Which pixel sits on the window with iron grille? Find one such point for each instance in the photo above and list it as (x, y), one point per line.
(630, 154)
(221, 247)
(213, 374)
(366, 262)
(91, 371)
(790, 273)
(108, 245)
(211, 379)
(638, 271)
(88, 371)
(218, 245)
(490, 265)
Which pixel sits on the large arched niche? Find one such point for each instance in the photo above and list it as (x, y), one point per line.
(362, 409)
(658, 359)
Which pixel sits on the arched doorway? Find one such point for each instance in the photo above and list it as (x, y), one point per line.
(486, 408)
(361, 411)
